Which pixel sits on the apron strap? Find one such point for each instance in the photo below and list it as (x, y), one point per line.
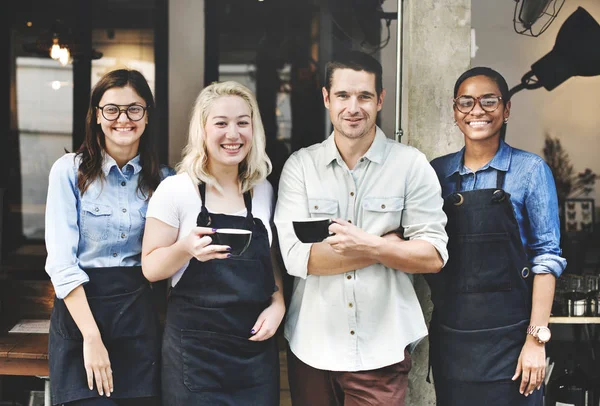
(203, 219)
(500, 175)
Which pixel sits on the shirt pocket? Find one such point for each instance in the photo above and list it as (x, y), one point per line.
(323, 208)
(382, 214)
(95, 220)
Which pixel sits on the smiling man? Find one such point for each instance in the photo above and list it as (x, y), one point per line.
(354, 316)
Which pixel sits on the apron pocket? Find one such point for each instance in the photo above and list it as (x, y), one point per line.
(221, 362)
(483, 263)
(478, 355)
(235, 281)
(126, 315)
(63, 323)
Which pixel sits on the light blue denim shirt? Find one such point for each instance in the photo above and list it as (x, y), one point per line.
(533, 195)
(102, 228)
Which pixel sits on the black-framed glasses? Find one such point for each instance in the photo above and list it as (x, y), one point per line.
(134, 112)
(488, 103)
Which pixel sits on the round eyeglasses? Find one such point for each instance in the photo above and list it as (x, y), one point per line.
(134, 112)
(488, 103)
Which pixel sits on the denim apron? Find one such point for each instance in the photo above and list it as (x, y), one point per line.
(482, 302)
(207, 358)
(120, 299)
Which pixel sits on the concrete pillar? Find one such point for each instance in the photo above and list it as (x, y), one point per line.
(186, 69)
(436, 52)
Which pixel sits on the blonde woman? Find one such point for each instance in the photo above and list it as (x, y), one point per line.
(223, 310)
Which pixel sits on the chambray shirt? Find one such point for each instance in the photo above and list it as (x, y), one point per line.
(102, 228)
(532, 192)
(364, 318)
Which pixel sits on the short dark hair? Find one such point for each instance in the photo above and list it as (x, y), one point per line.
(358, 61)
(489, 73)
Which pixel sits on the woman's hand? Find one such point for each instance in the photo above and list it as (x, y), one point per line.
(198, 245)
(532, 365)
(269, 320)
(97, 364)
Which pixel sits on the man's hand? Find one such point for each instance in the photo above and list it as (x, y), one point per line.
(351, 241)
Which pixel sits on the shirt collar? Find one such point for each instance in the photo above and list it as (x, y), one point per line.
(375, 153)
(109, 162)
(500, 161)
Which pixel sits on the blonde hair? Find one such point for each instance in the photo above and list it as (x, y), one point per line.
(255, 167)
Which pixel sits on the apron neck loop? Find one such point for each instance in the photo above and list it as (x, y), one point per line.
(204, 219)
(500, 175)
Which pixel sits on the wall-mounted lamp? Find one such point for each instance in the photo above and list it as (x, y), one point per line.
(575, 53)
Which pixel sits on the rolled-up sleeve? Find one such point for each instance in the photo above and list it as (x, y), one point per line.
(62, 229)
(543, 240)
(292, 203)
(423, 217)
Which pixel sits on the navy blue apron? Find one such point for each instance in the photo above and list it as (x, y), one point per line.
(482, 302)
(207, 358)
(120, 299)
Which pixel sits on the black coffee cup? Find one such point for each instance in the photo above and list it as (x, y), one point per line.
(238, 239)
(312, 230)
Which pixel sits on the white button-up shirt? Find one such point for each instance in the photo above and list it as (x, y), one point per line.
(362, 319)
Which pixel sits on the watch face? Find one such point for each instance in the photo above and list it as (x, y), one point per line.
(544, 334)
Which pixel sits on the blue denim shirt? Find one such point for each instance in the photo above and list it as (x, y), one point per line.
(102, 228)
(533, 194)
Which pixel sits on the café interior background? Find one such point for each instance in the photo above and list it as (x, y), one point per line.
(277, 48)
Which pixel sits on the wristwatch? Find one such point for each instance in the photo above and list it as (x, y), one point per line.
(541, 333)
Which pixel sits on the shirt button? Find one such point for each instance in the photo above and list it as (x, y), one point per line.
(352, 332)
(362, 159)
(383, 206)
(123, 235)
(348, 276)
(351, 193)
(114, 254)
(350, 305)
(123, 183)
(316, 207)
(124, 210)
(96, 209)
(349, 221)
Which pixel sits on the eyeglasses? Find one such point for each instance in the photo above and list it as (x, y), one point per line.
(134, 112)
(466, 104)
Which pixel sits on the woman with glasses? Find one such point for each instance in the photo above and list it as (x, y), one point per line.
(492, 300)
(223, 309)
(104, 344)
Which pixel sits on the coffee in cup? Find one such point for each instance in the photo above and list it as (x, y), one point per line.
(311, 230)
(238, 239)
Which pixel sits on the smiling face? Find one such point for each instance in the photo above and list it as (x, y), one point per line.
(228, 132)
(121, 134)
(480, 125)
(353, 103)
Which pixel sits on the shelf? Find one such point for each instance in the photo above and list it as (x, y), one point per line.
(574, 320)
